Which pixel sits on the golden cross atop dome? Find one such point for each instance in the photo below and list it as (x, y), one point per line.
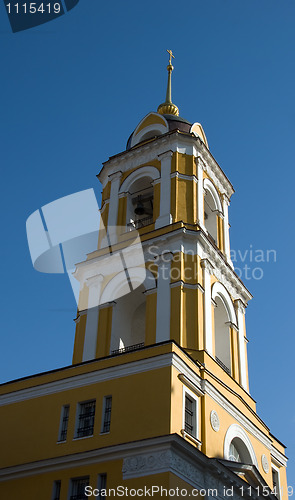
(167, 107)
(171, 55)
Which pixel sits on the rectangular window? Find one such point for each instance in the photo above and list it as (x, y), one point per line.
(78, 486)
(276, 483)
(56, 490)
(106, 418)
(101, 484)
(63, 428)
(190, 416)
(85, 420)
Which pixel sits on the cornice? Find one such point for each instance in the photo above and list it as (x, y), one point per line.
(167, 143)
(147, 457)
(189, 241)
(97, 376)
(278, 457)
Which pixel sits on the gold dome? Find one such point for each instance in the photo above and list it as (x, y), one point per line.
(168, 108)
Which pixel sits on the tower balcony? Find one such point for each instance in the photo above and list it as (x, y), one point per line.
(138, 224)
(128, 348)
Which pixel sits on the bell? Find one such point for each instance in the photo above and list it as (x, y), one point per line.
(139, 209)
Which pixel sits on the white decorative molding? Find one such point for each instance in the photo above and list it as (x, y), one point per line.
(206, 264)
(214, 421)
(185, 177)
(99, 455)
(163, 297)
(264, 463)
(71, 381)
(215, 172)
(159, 462)
(278, 457)
(165, 216)
(188, 436)
(94, 284)
(194, 387)
(219, 290)
(195, 286)
(209, 186)
(175, 141)
(232, 410)
(115, 179)
(236, 431)
(139, 173)
(208, 331)
(225, 203)
(240, 311)
(156, 128)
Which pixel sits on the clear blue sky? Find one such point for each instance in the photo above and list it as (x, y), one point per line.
(73, 90)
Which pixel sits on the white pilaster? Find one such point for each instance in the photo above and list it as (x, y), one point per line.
(240, 312)
(225, 205)
(114, 199)
(200, 194)
(94, 285)
(163, 298)
(165, 217)
(208, 334)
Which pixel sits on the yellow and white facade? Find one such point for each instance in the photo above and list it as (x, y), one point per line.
(158, 392)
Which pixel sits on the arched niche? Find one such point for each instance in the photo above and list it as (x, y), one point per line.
(152, 125)
(224, 316)
(129, 312)
(139, 190)
(212, 208)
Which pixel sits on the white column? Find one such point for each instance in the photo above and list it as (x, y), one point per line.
(200, 194)
(114, 199)
(208, 334)
(225, 203)
(240, 312)
(165, 217)
(94, 285)
(163, 298)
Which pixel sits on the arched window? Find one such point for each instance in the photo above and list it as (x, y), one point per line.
(212, 208)
(129, 312)
(128, 321)
(140, 203)
(224, 316)
(139, 190)
(222, 335)
(238, 451)
(238, 447)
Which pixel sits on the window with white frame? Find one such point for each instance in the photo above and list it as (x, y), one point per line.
(56, 490)
(64, 420)
(276, 482)
(101, 485)
(190, 413)
(85, 419)
(77, 488)
(106, 414)
(140, 202)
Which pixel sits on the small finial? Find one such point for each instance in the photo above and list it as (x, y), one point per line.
(171, 55)
(167, 107)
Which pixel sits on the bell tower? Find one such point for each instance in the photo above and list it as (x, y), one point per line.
(156, 401)
(167, 188)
